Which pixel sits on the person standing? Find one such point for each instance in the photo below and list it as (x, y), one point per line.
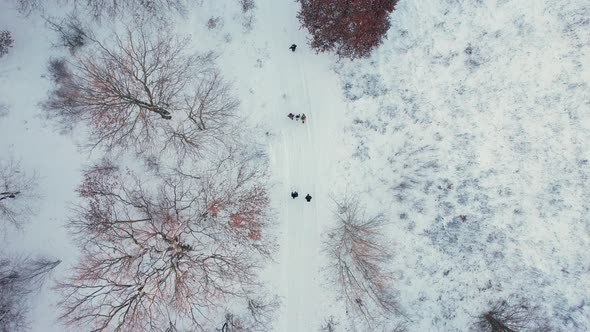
(303, 118)
(294, 194)
(291, 116)
(308, 198)
(293, 47)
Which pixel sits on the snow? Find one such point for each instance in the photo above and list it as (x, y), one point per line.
(303, 156)
(479, 109)
(469, 108)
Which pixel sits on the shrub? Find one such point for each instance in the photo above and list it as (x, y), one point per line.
(247, 5)
(214, 23)
(513, 314)
(58, 70)
(351, 28)
(3, 110)
(71, 32)
(6, 42)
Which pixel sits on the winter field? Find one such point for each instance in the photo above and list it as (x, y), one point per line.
(463, 141)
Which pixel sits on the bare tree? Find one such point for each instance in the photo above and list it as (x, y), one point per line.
(122, 90)
(18, 280)
(72, 33)
(26, 7)
(143, 92)
(100, 9)
(3, 110)
(6, 42)
(116, 8)
(512, 315)
(168, 250)
(206, 119)
(258, 316)
(18, 191)
(329, 325)
(358, 256)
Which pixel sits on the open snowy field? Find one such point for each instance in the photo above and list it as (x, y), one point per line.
(470, 127)
(467, 132)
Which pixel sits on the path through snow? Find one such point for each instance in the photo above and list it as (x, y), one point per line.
(302, 158)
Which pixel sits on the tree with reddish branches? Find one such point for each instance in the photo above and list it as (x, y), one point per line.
(513, 314)
(350, 28)
(358, 263)
(166, 252)
(141, 92)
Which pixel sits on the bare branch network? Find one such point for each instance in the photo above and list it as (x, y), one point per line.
(143, 92)
(511, 315)
(258, 316)
(100, 9)
(18, 192)
(358, 256)
(19, 278)
(167, 252)
(6, 42)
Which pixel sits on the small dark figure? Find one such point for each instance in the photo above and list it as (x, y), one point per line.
(291, 116)
(303, 117)
(294, 194)
(297, 117)
(293, 47)
(308, 197)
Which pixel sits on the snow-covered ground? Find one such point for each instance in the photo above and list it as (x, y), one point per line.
(469, 128)
(480, 109)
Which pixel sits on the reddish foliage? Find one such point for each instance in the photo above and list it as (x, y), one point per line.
(251, 205)
(214, 208)
(236, 220)
(149, 252)
(97, 180)
(351, 28)
(255, 234)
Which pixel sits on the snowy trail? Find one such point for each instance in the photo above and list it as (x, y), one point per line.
(302, 159)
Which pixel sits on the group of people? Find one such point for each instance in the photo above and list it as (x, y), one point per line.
(297, 117)
(295, 194)
(302, 116)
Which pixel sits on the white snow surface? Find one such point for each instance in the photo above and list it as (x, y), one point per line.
(469, 108)
(479, 109)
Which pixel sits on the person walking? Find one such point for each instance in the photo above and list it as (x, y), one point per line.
(291, 116)
(308, 197)
(297, 117)
(303, 118)
(293, 47)
(294, 194)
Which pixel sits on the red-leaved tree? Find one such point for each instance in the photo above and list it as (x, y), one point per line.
(166, 251)
(351, 28)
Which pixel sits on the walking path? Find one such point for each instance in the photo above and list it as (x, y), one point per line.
(303, 156)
